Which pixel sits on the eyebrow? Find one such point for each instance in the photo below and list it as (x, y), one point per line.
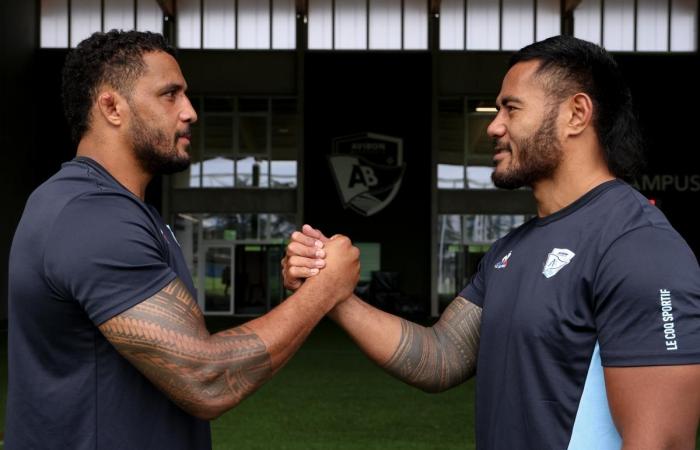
(172, 87)
(508, 99)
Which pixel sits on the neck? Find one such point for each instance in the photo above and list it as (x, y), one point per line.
(577, 174)
(118, 159)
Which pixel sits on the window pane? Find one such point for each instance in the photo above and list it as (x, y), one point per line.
(219, 24)
(284, 135)
(483, 25)
(54, 23)
(415, 22)
(449, 249)
(451, 144)
(280, 226)
(370, 259)
(548, 19)
(253, 105)
(450, 176)
(385, 24)
(452, 25)
(189, 25)
(283, 174)
(119, 15)
(149, 16)
(284, 25)
(218, 278)
(684, 20)
(587, 21)
(652, 23)
(320, 25)
(217, 172)
(252, 135)
(253, 24)
(86, 18)
(618, 25)
(480, 113)
(479, 177)
(186, 228)
(218, 136)
(518, 24)
(351, 24)
(252, 172)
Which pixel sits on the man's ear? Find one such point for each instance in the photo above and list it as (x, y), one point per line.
(111, 106)
(580, 113)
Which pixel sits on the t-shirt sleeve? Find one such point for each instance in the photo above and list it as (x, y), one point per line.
(475, 290)
(647, 300)
(103, 251)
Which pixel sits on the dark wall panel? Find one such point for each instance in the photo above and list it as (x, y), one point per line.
(664, 88)
(383, 93)
(18, 33)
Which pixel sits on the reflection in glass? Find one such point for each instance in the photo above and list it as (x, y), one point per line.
(217, 279)
(252, 172)
(283, 174)
(450, 176)
(216, 172)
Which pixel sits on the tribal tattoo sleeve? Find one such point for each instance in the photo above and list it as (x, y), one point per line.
(437, 358)
(166, 339)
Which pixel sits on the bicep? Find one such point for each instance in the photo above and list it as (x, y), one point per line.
(655, 406)
(166, 339)
(161, 335)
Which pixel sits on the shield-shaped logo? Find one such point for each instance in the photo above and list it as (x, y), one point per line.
(368, 169)
(556, 260)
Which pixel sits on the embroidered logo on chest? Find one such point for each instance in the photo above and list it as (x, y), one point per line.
(556, 260)
(504, 262)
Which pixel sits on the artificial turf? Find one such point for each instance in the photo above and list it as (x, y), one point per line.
(330, 397)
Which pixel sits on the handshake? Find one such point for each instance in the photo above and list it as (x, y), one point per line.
(331, 265)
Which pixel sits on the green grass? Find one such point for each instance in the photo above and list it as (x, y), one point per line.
(330, 396)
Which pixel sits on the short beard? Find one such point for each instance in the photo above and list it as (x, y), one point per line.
(540, 154)
(155, 152)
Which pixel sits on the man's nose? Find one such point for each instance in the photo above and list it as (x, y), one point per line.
(188, 114)
(496, 128)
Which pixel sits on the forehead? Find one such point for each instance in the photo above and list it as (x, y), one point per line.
(161, 68)
(521, 82)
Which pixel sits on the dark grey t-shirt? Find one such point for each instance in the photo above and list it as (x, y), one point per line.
(604, 282)
(85, 250)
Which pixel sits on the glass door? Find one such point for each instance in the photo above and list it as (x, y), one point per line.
(216, 275)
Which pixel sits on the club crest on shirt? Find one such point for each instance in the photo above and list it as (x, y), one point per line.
(556, 260)
(503, 263)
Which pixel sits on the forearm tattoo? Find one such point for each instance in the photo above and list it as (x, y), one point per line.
(166, 339)
(440, 357)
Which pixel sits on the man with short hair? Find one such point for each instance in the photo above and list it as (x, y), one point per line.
(107, 346)
(583, 324)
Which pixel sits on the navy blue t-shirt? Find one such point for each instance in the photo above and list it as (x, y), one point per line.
(604, 282)
(86, 250)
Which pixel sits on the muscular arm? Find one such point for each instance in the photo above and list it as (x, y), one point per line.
(433, 359)
(165, 338)
(655, 407)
